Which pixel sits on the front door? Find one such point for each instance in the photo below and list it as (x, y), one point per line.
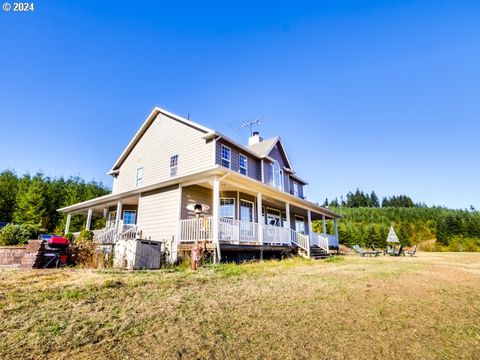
(247, 225)
(299, 224)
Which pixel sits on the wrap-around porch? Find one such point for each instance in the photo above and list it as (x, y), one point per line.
(237, 215)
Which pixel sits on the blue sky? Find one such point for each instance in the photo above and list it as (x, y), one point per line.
(380, 95)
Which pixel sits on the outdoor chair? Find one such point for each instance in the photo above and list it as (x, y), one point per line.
(362, 252)
(412, 252)
(398, 252)
(375, 250)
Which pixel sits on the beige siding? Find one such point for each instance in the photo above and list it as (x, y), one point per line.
(158, 213)
(196, 195)
(165, 137)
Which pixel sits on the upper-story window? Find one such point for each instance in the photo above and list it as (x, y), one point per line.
(139, 178)
(243, 164)
(276, 179)
(295, 188)
(226, 156)
(173, 165)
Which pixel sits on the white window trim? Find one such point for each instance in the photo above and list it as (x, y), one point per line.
(295, 217)
(295, 188)
(244, 167)
(273, 183)
(234, 206)
(133, 211)
(174, 167)
(221, 156)
(278, 213)
(253, 209)
(137, 178)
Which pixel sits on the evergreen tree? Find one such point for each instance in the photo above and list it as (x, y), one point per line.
(373, 200)
(30, 203)
(8, 194)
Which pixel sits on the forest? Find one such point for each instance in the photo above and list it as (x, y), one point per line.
(30, 202)
(366, 221)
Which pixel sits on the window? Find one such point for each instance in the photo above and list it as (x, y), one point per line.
(173, 165)
(129, 217)
(276, 175)
(139, 179)
(226, 156)
(243, 164)
(227, 208)
(246, 210)
(112, 217)
(274, 217)
(299, 224)
(295, 188)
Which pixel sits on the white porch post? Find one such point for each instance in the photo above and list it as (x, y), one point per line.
(309, 220)
(262, 171)
(67, 225)
(178, 235)
(89, 219)
(259, 218)
(287, 213)
(324, 225)
(119, 215)
(289, 225)
(335, 225)
(215, 214)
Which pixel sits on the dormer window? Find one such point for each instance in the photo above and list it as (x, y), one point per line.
(243, 164)
(226, 157)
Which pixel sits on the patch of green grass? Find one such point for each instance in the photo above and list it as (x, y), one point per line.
(334, 259)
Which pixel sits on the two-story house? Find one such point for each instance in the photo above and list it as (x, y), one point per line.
(251, 199)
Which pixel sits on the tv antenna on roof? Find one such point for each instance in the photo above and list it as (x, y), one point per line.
(250, 124)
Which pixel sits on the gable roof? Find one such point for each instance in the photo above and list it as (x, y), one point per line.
(265, 147)
(260, 150)
(149, 120)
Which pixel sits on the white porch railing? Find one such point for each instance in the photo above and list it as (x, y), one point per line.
(129, 233)
(276, 235)
(243, 232)
(237, 231)
(192, 230)
(320, 240)
(300, 240)
(107, 237)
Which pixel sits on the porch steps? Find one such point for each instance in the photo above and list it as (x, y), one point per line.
(317, 253)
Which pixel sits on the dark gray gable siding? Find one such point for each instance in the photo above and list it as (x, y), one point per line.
(253, 163)
(277, 154)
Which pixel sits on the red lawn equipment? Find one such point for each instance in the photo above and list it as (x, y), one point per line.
(56, 252)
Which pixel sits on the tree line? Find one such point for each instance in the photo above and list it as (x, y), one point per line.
(366, 221)
(361, 199)
(33, 200)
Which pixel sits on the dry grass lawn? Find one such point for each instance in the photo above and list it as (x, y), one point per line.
(426, 307)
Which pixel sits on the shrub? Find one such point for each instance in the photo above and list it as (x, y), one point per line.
(459, 243)
(85, 236)
(17, 234)
(69, 237)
